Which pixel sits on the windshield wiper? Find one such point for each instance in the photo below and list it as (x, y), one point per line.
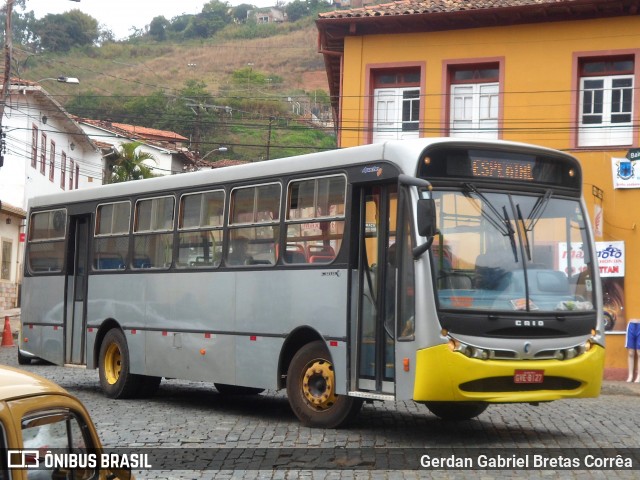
(502, 223)
(511, 232)
(534, 216)
(538, 210)
(495, 220)
(525, 232)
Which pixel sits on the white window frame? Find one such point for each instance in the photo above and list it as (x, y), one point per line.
(605, 133)
(6, 274)
(388, 108)
(475, 110)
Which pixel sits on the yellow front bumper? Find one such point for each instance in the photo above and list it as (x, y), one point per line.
(440, 373)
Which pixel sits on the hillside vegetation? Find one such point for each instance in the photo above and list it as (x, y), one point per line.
(229, 90)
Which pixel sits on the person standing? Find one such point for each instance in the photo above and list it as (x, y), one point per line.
(633, 347)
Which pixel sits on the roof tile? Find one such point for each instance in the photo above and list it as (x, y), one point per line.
(415, 7)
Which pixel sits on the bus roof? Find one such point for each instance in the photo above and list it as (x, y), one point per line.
(403, 153)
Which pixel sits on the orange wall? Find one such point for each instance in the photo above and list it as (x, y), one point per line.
(538, 103)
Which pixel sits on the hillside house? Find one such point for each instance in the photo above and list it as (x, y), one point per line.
(267, 15)
(559, 73)
(168, 148)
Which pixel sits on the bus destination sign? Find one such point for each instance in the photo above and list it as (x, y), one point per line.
(502, 168)
(489, 165)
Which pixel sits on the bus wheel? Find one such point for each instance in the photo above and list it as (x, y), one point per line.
(311, 390)
(115, 377)
(225, 389)
(456, 411)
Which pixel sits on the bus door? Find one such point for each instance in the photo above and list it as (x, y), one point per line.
(375, 350)
(76, 289)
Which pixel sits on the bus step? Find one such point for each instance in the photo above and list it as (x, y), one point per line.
(75, 365)
(373, 396)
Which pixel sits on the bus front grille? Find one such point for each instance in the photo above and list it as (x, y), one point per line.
(506, 384)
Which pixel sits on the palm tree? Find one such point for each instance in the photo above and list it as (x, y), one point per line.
(129, 165)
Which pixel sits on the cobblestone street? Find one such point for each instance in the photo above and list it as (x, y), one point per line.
(195, 417)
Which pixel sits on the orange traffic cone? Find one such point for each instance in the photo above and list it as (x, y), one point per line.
(7, 337)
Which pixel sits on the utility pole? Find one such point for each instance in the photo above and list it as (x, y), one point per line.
(8, 46)
(271, 119)
(6, 79)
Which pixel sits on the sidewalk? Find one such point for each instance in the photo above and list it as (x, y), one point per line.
(618, 387)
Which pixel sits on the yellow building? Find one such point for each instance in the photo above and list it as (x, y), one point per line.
(558, 73)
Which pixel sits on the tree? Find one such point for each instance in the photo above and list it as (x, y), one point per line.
(60, 32)
(241, 11)
(129, 165)
(158, 28)
(214, 17)
(180, 23)
(105, 35)
(22, 24)
(296, 10)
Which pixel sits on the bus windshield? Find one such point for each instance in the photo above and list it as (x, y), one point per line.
(507, 251)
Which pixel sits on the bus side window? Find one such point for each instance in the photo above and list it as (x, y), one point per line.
(200, 223)
(315, 217)
(239, 253)
(46, 245)
(321, 253)
(111, 236)
(108, 261)
(295, 254)
(254, 217)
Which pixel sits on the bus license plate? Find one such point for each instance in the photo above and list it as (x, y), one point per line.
(528, 376)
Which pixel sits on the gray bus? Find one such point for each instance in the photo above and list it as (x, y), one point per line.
(454, 273)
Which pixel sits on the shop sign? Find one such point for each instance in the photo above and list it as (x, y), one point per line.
(625, 173)
(611, 258)
(633, 154)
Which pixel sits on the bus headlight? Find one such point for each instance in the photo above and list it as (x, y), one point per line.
(468, 350)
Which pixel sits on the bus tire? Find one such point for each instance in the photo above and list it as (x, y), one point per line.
(225, 389)
(456, 411)
(311, 390)
(114, 367)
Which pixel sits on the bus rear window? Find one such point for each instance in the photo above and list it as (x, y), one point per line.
(48, 225)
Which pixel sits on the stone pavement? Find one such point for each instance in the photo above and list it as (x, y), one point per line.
(192, 419)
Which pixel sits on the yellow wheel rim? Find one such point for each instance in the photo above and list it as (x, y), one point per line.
(318, 385)
(112, 363)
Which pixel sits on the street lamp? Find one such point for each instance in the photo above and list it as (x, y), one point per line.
(220, 149)
(61, 79)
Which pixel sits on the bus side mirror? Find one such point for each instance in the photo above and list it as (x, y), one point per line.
(426, 210)
(426, 217)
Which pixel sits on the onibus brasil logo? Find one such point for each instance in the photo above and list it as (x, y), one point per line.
(70, 460)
